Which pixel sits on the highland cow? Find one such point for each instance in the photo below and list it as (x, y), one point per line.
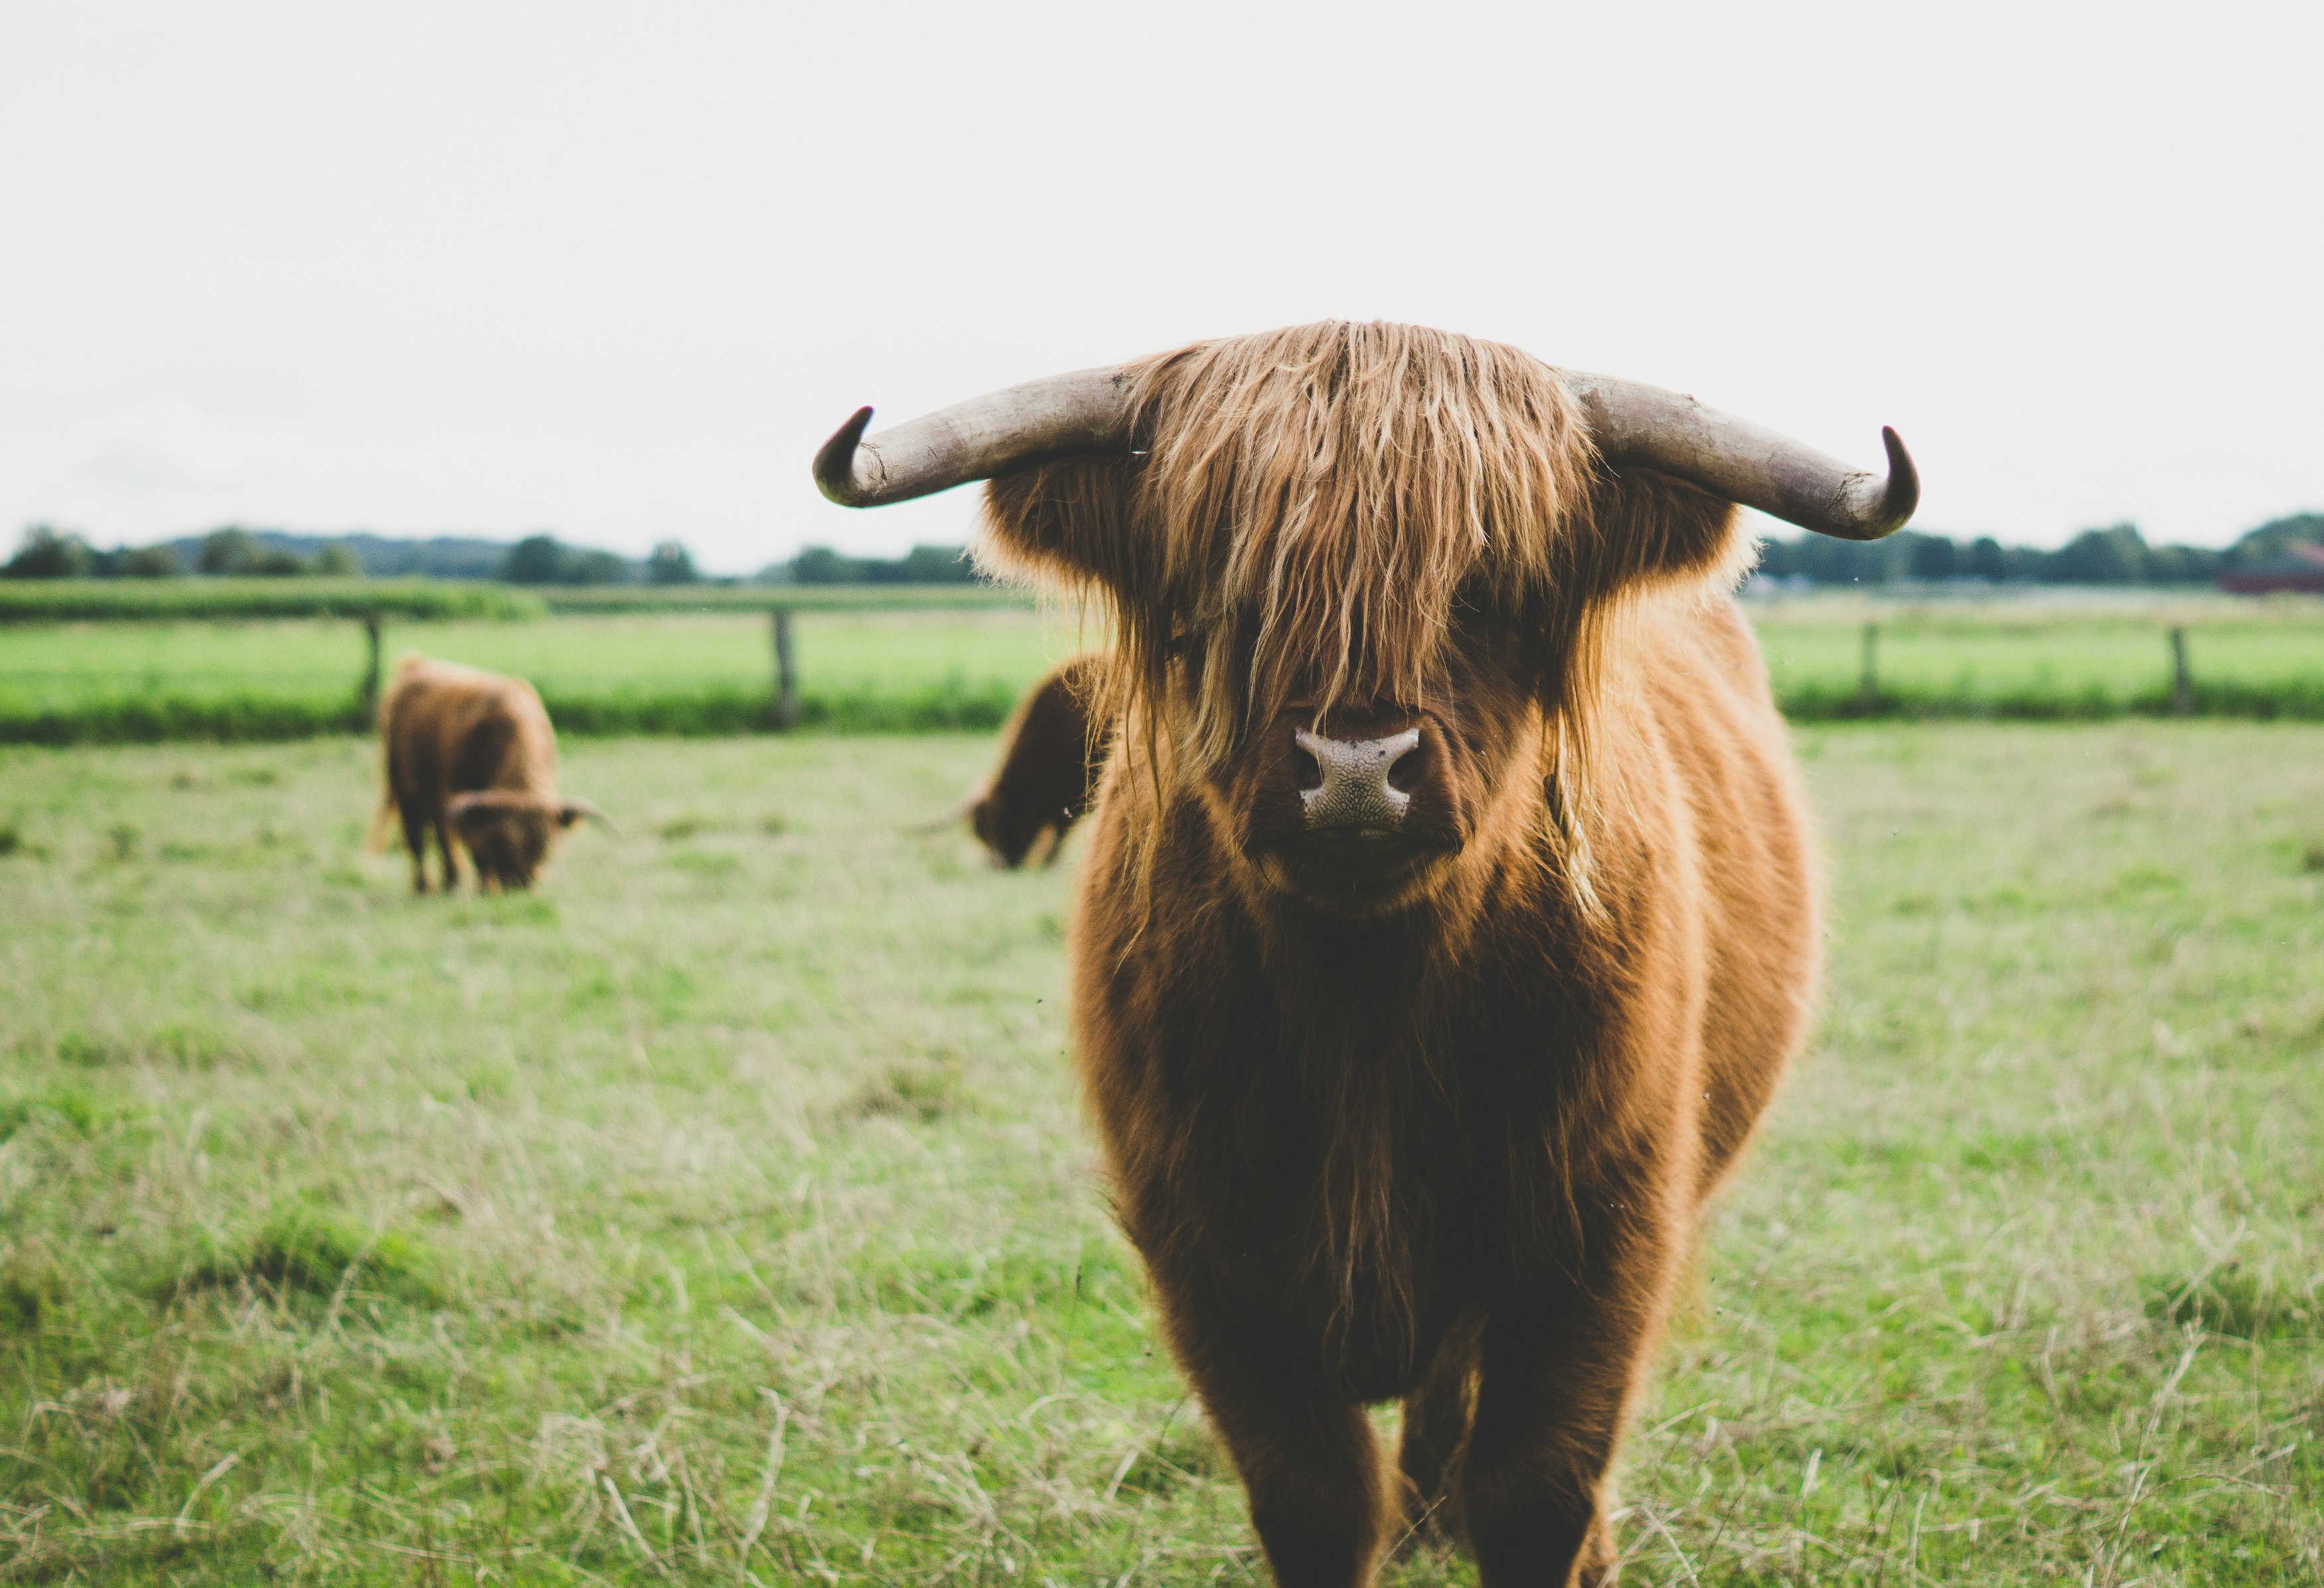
(471, 755)
(1051, 752)
(1449, 912)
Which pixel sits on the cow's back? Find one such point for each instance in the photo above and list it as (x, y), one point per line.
(451, 729)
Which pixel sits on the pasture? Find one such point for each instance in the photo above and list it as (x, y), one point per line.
(924, 664)
(320, 660)
(695, 672)
(2043, 658)
(721, 1212)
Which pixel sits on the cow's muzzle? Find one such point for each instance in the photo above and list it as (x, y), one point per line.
(1371, 817)
(1355, 798)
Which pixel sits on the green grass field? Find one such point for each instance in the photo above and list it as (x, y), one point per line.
(2043, 659)
(721, 1212)
(677, 672)
(865, 666)
(60, 667)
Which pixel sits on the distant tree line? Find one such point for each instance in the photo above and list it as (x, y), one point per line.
(543, 560)
(47, 552)
(2116, 555)
(922, 565)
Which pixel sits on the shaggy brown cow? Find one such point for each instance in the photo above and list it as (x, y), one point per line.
(472, 753)
(1048, 768)
(1450, 913)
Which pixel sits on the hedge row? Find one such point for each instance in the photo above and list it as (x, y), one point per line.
(39, 601)
(580, 600)
(2291, 700)
(56, 601)
(712, 713)
(716, 712)
(693, 713)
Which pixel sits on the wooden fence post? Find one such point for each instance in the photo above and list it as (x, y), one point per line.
(1867, 688)
(371, 669)
(2182, 680)
(787, 707)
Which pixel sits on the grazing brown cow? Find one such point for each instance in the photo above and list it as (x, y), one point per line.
(1048, 768)
(1449, 912)
(471, 753)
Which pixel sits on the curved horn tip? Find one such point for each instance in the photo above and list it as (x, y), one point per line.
(1869, 507)
(834, 462)
(573, 810)
(1902, 497)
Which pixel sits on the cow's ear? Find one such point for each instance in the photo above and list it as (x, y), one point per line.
(1646, 529)
(1067, 521)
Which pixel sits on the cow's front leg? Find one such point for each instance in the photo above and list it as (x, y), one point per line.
(1319, 1498)
(1560, 1373)
(415, 841)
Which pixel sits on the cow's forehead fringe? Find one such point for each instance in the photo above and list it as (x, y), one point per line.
(1335, 488)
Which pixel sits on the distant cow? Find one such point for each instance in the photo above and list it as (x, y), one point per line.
(1450, 912)
(471, 753)
(1049, 762)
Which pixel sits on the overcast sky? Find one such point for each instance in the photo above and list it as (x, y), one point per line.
(616, 271)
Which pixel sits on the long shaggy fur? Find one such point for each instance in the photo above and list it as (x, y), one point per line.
(470, 757)
(1307, 508)
(1449, 1140)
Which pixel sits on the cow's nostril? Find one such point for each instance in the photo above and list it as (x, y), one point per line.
(1306, 769)
(1405, 775)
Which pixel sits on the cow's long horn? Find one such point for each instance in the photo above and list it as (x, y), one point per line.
(1633, 422)
(1087, 410)
(573, 811)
